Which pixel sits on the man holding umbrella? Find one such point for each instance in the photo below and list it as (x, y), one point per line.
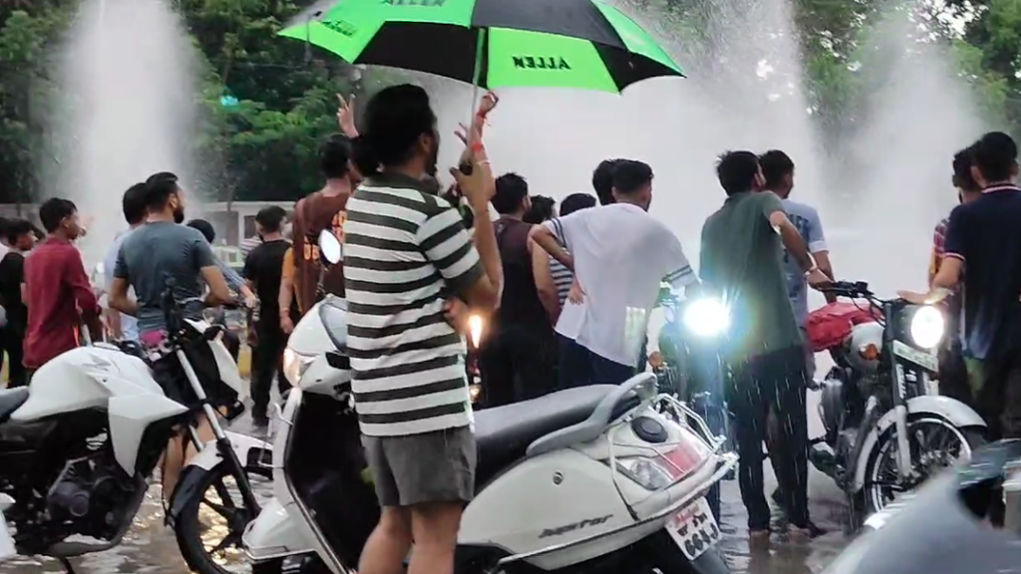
(405, 250)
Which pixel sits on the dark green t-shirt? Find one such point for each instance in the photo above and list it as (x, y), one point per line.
(742, 260)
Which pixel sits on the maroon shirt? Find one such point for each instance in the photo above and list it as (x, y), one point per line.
(56, 289)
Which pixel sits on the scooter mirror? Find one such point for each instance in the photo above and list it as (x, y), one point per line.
(329, 247)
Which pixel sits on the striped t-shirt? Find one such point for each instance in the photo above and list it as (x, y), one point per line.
(562, 276)
(405, 250)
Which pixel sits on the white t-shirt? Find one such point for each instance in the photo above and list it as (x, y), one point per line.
(621, 255)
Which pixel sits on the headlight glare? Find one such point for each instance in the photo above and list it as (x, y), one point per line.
(927, 327)
(707, 317)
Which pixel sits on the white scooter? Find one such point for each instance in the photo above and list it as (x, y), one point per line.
(78, 445)
(599, 478)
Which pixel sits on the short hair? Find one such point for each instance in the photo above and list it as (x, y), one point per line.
(394, 120)
(602, 180)
(737, 171)
(271, 218)
(511, 190)
(775, 166)
(630, 176)
(204, 227)
(158, 189)
(575, 202)
(542, 209)
(962, 171)
(134, 203)
(54, 210)
(15, 228)
(995, 156)
(334, 155)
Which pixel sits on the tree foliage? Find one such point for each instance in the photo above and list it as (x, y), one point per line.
(264, 147)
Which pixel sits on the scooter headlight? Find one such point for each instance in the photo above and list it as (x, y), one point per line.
(927, 326)
(707, 317)
(645, 471)
(295, 365)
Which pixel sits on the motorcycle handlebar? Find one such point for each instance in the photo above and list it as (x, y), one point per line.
(848, 288)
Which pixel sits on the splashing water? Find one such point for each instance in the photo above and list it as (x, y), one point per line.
(127, 85)
(892, 181)
(743, 92)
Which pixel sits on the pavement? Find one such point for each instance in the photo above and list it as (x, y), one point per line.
(150, 546)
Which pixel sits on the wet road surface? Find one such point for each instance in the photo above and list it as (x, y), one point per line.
(151, 548)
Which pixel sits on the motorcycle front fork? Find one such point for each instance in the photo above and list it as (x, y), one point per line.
(900, 410)
(223, 444)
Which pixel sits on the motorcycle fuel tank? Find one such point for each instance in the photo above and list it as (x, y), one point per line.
(84, 378)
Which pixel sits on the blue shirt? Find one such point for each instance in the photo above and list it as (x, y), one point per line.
(129, 325)
(806, 219)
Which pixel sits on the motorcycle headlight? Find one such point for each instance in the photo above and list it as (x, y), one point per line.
(295, 365)
(707, 317)
(927, 327)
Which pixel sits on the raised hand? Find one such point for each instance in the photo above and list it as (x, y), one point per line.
(346, 115)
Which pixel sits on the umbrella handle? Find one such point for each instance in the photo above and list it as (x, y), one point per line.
(480, 46)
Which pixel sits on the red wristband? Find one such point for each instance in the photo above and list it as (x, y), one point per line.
(477, 147)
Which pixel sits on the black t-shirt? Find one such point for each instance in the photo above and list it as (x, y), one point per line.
(12, 274)
(986, 235)
(263, 267)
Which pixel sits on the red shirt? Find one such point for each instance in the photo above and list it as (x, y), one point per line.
(56, 288)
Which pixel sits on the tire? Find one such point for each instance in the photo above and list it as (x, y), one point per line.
(662, 554)
(188, 529)
(868, 501)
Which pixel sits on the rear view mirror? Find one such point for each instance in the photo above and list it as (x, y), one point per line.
(329, 247)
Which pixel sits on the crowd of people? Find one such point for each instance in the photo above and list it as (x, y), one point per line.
(567, 296)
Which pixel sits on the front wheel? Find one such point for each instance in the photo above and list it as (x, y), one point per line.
(210, 525)
(935, 443)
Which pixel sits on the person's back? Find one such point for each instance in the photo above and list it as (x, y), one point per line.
(992, 281)
(806, 219)
(158, 251)
(323, 209)
(742, 258)
(620, 256)
(619, 264)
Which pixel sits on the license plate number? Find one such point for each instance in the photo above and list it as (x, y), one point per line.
(923, 359)
(694, 529)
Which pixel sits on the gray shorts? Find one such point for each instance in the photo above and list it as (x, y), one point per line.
(438, 466)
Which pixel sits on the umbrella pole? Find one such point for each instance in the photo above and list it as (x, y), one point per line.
(480, 46)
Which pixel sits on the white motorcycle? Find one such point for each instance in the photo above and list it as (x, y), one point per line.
(599, 478)
(77, 447)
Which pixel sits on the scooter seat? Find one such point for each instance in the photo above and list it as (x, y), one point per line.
(10, 400)
(502, 434)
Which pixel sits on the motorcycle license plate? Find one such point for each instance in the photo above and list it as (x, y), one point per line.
(694, 529)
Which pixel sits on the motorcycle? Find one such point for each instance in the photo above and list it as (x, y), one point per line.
(942, 529)
(78, 446)
(884, 433)
(600, 478)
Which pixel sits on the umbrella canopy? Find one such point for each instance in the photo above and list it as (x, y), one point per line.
(494, 43)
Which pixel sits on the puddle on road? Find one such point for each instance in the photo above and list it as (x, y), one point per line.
(150, 547)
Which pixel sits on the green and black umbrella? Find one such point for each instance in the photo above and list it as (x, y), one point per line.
(583, 44)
